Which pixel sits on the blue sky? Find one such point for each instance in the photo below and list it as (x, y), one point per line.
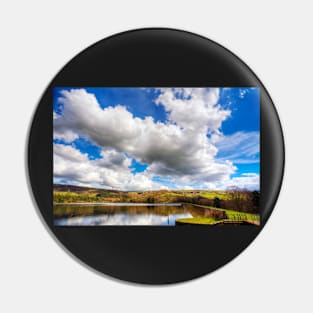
(223, 124)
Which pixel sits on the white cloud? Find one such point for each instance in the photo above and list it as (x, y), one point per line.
(240, 147)
(112, 171)
(178, 148)
(250, 181)
(177, 151)
(194, 108)
(242, 93)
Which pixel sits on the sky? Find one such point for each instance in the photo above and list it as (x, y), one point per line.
(157, 138)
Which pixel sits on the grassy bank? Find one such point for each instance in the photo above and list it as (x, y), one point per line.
(234, 217)
(159, 196)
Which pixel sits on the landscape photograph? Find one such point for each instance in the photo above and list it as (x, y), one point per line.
(156, 156)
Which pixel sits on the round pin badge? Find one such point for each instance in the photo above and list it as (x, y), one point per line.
(155, 156)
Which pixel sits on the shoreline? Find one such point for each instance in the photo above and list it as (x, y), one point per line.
(119, 204)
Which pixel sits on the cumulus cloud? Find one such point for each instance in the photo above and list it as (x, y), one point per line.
(181, 149)
(178, 148)
(194, 108)
(112, 171)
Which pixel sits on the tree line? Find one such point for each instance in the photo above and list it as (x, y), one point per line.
(237, 200)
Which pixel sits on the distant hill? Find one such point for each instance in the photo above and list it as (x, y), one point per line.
(79, 189)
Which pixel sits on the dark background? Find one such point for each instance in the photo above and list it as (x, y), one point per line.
(155, 57)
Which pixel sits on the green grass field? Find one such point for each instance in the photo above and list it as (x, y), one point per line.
(162, 196)
(210, 221)
(232, 217)
(235, 215)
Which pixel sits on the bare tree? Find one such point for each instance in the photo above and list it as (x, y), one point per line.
(239, 199)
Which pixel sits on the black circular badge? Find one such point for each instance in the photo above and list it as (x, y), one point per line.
(155, 156)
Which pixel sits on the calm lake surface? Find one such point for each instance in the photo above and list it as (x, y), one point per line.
(97, 214)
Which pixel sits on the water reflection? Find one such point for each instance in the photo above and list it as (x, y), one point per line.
(106, 214)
